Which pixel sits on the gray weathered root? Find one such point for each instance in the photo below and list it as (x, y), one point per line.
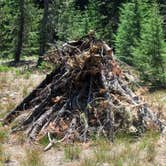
(87, 94)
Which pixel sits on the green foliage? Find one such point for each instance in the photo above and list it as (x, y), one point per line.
(149, 56)
(4, 68)
(76, 23)
(9, 28)
(32, 23)
(3, 135)
(109, 19)
(140, 40)
(8, 15)
(44, 141)
(128, 32)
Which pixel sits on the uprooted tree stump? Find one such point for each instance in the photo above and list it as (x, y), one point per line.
(86, 94)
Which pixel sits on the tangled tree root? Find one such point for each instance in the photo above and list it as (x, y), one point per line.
(86, 94)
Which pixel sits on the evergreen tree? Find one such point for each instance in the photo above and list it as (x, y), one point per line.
(128, 32)
(74, 23)
(43, 32)
(81, 4)
(21, 18)
(109, 18)
(149, 53)
(163, 13)
(8, 26)
(33, 16)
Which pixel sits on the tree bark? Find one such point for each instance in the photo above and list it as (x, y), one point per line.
(43, 32)
(20, 32)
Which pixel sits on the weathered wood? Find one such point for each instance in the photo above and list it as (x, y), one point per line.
(88, 93)
(25, 104)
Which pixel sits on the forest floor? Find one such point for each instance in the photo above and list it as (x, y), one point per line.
(16, 83)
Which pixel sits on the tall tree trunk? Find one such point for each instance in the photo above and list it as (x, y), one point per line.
(43, 32)
(20, 31)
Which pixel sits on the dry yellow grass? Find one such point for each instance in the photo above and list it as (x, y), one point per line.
(14, 87)
(4, 156)
(32, 158)
(121, 152)
(72, 152)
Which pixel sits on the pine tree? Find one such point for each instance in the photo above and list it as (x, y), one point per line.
(43, 32)
(128, 32)
(149, 53)
(8, 16)
(109, 18)
(21, 27)
(75, 22)
(31, 31)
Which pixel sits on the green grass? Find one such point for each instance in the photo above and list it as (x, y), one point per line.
(151, 152)
(124, 151)
(4, 157)
(4, 68)
(116, 156)
(44, 141)
(45, 66)
(148, 137)
(88, 162)
(3, 134)
(127, 138)
(72, 152)
(32, 158)
(101, 150)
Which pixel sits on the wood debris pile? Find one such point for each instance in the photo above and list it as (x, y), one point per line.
(86, 94)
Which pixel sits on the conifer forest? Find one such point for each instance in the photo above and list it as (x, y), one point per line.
(82, 82)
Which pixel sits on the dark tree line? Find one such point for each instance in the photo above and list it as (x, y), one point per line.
(29, 26)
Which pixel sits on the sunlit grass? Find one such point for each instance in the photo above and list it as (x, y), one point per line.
(4, 157)
(72, 152)
(32, 158)
(157, 100)
(4, 68)
(14, 86)
(44, 141)
(101, 150)
(124, 151)
(151, 152)
(3, 134)
(88, 162)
